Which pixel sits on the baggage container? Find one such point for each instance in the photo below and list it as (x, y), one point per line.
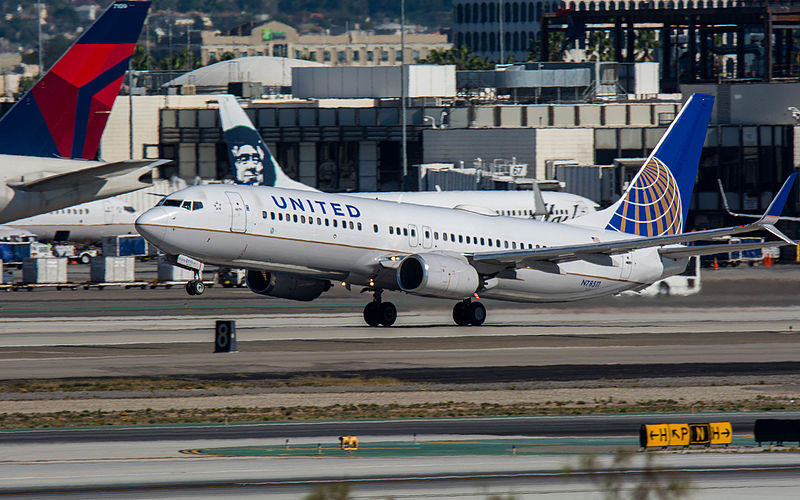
(46, 270)
(168, 272)
(112, 270)
(124, 245)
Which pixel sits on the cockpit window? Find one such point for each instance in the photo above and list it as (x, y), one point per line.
(172, 202)
(187, 205)
(197, 205)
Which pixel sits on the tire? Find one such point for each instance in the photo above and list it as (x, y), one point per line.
(190, 288)
(475, 313)
(460, 314)
(663, 289)
(371, 314)
(388, 313)
(85, 258)
(199, 287)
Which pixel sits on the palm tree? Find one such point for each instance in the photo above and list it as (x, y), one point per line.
(462, 57)
(600, 47)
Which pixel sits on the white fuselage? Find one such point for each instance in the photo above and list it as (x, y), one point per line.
(85, 223)
(341, 238)
(20, 203)
(558, 207)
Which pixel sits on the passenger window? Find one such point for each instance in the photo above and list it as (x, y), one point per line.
(351, 224)
(327, 222)
(375, 227)
(413, 233)
(359, 226)
(467, 239)
(303, 219)
(272, 215)
(461, 238)
(482, 243)
(398, 231)
(319, 221)
(530, 246)
(497, 242)
(405, 231)
(391, 229)
(344, 224)
(444, 236)
(427, 234)
(264, 215)
(335, 223)
(452, 237)
(280, 216)
(514, 245)
(490, 242)
(435, 235)
(295, 217)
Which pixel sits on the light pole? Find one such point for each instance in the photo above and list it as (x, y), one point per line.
(39, 28)
(404, 138)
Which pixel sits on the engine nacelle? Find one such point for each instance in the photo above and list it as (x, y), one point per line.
(436, 275)
(286, 286)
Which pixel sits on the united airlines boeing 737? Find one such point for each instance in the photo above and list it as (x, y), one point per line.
(253, 163)
(294, 243)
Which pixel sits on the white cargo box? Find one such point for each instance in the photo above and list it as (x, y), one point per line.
(168, 272)
(46, 270)
(112, 269)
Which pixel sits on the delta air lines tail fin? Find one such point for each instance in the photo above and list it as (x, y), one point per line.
(65, 113)
(250, 158)
(656, 202)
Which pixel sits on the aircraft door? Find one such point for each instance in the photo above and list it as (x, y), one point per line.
(412, 235)
(108, 212)
(238, 212)
(627, 265)
(427, 237)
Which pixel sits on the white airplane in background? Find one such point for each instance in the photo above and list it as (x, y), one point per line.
(84, 223)
(49, 138)
(253, 164)
(294, 243)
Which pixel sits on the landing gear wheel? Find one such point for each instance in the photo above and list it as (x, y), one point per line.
(86, 258)
(195, 287)
(388, 313)
(475, 313)
(460, 314)
(371, 313)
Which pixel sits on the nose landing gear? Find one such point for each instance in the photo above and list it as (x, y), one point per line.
(380, 313)
(467, 313)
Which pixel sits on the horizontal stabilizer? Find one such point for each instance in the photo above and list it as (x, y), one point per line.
(68, 180)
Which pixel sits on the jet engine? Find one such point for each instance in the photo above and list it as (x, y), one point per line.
(436, 275)
(286, 286)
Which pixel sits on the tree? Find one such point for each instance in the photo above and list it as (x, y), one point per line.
(600, 47)
(556, 43)
(462, 57)
(646, 43)
(142, 59)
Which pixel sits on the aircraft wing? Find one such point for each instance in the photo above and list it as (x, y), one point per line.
(684, 251)
(591, 251)
(68, 180)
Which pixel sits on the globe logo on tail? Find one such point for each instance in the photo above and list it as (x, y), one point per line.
(652, 204)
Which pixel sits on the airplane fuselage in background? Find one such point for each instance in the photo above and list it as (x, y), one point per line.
(558, 207)
(317, 236)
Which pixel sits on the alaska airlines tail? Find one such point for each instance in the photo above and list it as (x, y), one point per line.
(65, 113)
(249, 157)
(657, 200)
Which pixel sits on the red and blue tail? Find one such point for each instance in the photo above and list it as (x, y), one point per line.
(65, 113)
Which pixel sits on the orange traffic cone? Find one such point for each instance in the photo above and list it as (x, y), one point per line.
(768, 261)
(716, 264)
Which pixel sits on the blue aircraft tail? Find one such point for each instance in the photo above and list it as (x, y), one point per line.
(65, 113)
(657, 200)
(250, 159)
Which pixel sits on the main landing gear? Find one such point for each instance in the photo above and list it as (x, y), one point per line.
(469, 313)
(380, 313)
(196, 286)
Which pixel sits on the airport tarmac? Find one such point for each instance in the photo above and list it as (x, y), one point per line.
(737, 338)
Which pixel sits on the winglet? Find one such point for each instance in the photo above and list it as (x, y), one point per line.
(773, 213)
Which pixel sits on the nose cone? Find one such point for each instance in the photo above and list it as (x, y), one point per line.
(153, 224)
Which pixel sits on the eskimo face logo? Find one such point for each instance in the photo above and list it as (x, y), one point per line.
(651, 205)
(249, 163)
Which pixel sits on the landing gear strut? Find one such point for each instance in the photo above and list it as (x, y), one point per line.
(380, 313)
(467, 312)
(196, 286)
